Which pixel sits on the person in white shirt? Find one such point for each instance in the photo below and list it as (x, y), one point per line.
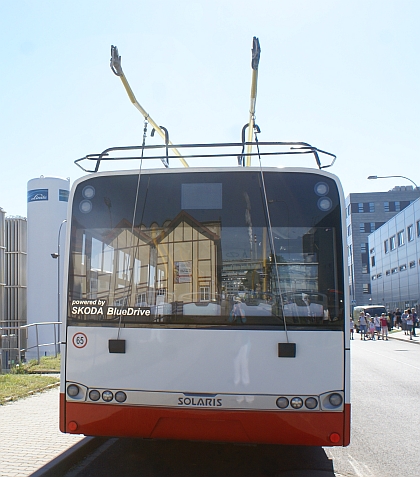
(404, 321)
(409, 325)
(351, 329)
(362, 325)
(377, 326)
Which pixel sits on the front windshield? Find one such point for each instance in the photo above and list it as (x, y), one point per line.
(201, 252)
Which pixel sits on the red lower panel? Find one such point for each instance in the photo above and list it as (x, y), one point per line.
(269, 427)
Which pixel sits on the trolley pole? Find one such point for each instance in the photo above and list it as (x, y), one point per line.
(117, 69)
(256, 51)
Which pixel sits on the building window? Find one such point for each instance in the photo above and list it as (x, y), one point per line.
(141, 299)
(204, 293)
(388, 273)
(372, 227)
(349, 230)
(366, 288)
(364, 268)
(403, 268)
(400, 238)
(371, 207)
(386, 249)
(379, 276)
(394, 270)
(392, 242)
(372, 251)
(360, 208)
(363, 247)
(410, 233)
(372, 261)
(362, 228)
(418, 228)
(373, 277)
(413, 264)
(396, 206)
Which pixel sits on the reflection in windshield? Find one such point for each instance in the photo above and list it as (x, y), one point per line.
(201, 243)
(190, 272)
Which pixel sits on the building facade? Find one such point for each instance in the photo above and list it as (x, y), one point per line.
(365, 213)
(394, 260)
(13, 237)
(2, 265)
(15, 260)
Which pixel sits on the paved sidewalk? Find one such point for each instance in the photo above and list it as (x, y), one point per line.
(29, 434)
(399, 335)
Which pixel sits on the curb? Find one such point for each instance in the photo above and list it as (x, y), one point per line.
(30, 393)
(403, 339)
(62, 464)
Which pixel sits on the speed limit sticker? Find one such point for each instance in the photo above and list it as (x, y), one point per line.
(79, 340)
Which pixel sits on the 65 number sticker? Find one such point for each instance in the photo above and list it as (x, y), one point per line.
(79, 340)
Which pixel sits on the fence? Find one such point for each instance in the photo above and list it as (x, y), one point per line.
(14, 339)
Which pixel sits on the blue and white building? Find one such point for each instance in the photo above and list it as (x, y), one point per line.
(394, 260)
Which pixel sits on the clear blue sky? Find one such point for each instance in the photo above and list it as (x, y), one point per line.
(341, 75)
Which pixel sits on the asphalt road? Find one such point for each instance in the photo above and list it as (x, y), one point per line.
(385, 439)
(385, 434)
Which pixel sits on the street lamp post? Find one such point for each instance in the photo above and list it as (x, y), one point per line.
(389, 177)
(57, 256)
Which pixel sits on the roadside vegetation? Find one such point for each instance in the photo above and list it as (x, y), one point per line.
(28, 378)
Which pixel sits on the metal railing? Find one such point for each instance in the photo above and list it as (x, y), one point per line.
(16, 339)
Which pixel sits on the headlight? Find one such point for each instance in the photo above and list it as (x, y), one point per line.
(120, 396)
(85, 206)
(335, 399)
(311, 403)
(88, 192)
(282, 402)
(73, 390)
(324, 204)
(94, 395)
(321, 188)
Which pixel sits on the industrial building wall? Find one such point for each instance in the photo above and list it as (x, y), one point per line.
(16, 254)
(2, 266)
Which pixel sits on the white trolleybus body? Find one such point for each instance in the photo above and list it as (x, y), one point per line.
(207, 304)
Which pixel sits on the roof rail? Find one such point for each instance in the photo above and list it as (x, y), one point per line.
(194, 151)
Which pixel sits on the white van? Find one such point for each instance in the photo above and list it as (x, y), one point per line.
(371, 309)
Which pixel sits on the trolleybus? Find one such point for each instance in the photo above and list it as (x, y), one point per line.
(207, 304)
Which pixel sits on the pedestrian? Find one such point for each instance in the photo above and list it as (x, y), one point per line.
(362, 325)
(351, 329)
(415, 321)
(409, 324)
(237, 314)
(377, 326)
(390, 320)
(398, 318)
(404, 321)
(372, 329)
(384, 326)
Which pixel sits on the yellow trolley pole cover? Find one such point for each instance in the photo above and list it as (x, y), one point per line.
(256, 50)
(117, 69)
